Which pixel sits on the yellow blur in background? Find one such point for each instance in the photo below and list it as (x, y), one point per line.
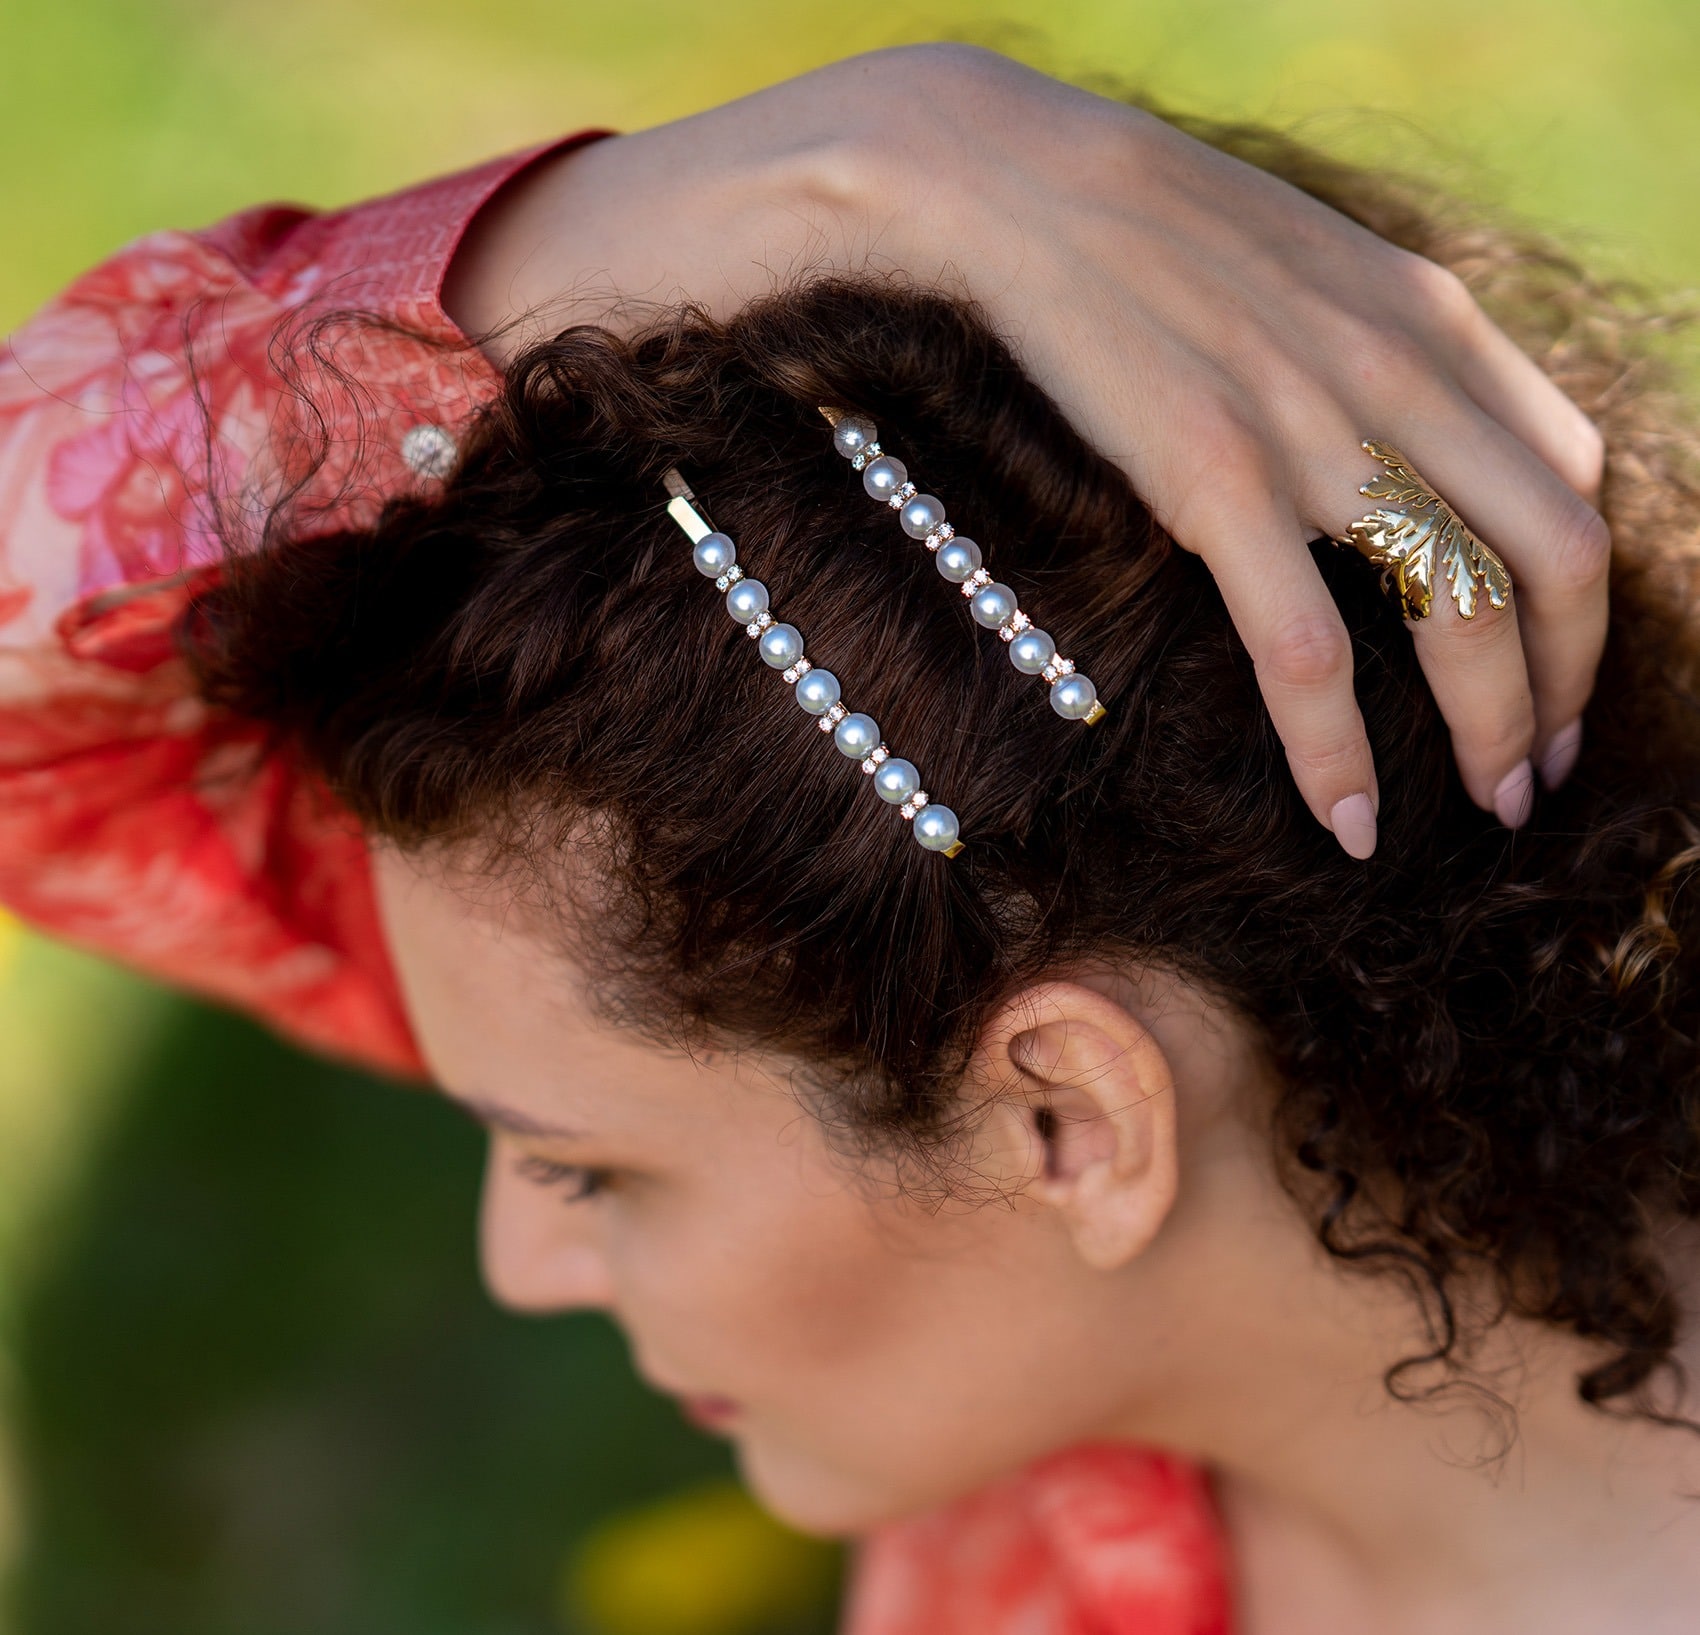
(121, 116)
(705, 1561)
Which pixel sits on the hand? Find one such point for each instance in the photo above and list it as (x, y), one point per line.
(1226, 339)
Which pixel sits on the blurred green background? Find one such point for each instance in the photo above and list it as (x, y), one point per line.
(248, 1384)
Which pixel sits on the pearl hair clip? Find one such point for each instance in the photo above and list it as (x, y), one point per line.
(1031, 650)
(818, 691)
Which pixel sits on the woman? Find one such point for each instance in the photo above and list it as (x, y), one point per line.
(1149, 1217)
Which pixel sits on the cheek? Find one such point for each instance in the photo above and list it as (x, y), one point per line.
(887, 1358)
(754, 1290)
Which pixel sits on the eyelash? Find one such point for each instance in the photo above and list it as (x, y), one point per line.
(545, 1172)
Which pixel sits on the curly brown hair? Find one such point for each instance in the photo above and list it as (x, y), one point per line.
(1485, 1040)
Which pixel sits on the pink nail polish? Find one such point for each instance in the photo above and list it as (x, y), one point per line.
(1353, 822)
(1514, 799)
(1560, 758)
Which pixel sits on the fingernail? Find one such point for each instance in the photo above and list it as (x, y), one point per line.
(1560, 758)
(1514, 799)
(1353, 821)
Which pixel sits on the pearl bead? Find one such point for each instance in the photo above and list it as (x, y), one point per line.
(818, 691)
(958, 559)
(897, 780)
(936, 828)
(1031, 651)
(921, 516)
(884, 477)
(781, 645)
(857, 736)
(993, 606)
(746, 599)
(852, 434)
(713, 555)
(1073, 697)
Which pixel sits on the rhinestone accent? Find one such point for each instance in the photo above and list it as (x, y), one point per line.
(428, 450)
(873, 763)
(1057, 669)
(871, 452)
(832, 717)
(940, 537)
(1013, 626)
(975, 583)
(758, 624)
(911, 806)
(796, 673)
(903, 496)
(729, 578)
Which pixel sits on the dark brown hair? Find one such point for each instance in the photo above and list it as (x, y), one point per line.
(1485, 1040)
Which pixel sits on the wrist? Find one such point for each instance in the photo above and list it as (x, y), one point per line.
(479, 291)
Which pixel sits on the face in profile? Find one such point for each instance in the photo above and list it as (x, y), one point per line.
(871, 1345)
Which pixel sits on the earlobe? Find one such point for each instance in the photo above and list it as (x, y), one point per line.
(1097, 1096)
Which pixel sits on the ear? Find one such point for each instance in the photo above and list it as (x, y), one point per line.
(1088, 1115)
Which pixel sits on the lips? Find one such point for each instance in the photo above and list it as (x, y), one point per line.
(709, 1413)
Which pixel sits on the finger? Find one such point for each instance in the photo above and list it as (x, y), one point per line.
(1506, 383)
(1502, 379)
(1475, 668)
(1556, 546)
(1290, 625)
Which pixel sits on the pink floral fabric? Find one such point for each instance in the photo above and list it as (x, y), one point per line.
(1102, 1540)
(133, 821)
(147, 410)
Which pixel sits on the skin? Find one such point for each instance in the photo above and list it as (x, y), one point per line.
(1223, 338)
(1122, 1264)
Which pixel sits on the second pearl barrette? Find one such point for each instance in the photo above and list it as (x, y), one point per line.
(1031, 650)
(817, 691)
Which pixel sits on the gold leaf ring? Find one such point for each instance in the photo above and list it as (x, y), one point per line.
(1413, 535)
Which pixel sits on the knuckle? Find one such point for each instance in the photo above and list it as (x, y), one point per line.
(1223, 473)
(1224, 444)
(970, 67)
(1441, 294)
(1581, 548)
(1309, 651)
(1295, 396)
(1584, 456)
(1497, 738)
(1342, 765)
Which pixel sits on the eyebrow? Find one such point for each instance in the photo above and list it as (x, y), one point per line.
(510, 1119)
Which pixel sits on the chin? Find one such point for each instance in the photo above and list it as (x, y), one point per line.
(820, 1499)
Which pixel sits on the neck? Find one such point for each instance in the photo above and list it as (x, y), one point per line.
(1506, 1505)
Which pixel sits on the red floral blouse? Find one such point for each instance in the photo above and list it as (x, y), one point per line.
(136, 822)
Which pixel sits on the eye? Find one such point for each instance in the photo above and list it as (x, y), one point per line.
(578, 1180)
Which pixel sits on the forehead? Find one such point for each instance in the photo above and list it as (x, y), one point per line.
(502, 1014)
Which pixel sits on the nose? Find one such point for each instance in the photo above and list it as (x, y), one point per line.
(537, 1252)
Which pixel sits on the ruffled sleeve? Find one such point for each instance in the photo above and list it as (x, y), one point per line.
(151, 409)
